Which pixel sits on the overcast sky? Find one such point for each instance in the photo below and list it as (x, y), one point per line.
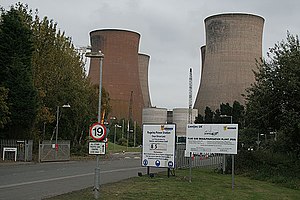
(172, 32)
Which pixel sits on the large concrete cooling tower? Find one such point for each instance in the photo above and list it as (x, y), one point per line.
(143, 61)
(233, 43)
(120, 70)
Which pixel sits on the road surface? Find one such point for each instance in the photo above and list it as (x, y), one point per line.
(38, 181)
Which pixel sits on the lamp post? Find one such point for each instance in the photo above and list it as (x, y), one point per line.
(99, 55)
(116, 126)
(224, 116)
(57, 120)
(224, 156)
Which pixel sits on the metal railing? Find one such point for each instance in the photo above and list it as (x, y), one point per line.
(49, 151)
(24, 149)
(204, 161)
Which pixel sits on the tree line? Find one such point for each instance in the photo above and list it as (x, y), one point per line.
(40, 70)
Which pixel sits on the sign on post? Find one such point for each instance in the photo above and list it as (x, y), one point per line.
(98, 131)
(212, 138)
(158, 145)
(97, 148)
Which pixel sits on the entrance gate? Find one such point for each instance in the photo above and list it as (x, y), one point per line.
(49, 151)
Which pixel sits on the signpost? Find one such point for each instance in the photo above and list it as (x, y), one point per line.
(159, 145)
(98, 133)
(213, 138)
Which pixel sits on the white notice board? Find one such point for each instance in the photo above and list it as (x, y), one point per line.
(212, 138)
(158, 145)
(97, 148)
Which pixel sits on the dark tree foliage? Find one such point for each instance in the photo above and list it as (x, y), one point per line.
(209, 115)
(16, 49)
(274, 100)
(223, 115)
(4, 110)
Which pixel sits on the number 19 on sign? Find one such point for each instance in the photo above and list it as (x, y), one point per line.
(98, 131)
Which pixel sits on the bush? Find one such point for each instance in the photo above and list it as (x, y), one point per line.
(267, 165)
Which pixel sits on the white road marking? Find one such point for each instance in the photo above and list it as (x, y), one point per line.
(67, 177)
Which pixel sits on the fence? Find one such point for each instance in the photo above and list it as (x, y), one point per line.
(24, 150)
(207, 160)
(49, 151)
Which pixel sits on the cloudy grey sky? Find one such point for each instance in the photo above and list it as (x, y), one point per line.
(172, 32)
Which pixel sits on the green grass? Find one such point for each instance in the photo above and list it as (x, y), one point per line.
(119, 148)
(205, 185)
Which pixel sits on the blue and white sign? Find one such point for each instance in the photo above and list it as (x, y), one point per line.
(145, 162)
(159, 145)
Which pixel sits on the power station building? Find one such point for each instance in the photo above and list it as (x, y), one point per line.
(233, 44)
(124, 74)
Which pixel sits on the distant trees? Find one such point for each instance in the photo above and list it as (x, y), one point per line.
(224, 114)
(40, 70)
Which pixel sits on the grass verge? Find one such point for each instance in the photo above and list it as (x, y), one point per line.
(205, 184)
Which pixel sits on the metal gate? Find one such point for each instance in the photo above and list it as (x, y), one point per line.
(201, 160)
(24, 149)
(49, 151)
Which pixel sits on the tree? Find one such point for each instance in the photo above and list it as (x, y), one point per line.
(4, 109)
(273, 102)
(16, 49)
(209, 114)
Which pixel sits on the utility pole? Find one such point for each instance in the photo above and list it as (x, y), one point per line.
(129, 117)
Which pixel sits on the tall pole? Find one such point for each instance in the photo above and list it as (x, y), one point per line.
(56, 135)
(97, 169)
(115, 136)
(224, 156)
(128, 129)
(190, 96)
(57, 116)
(134, 137)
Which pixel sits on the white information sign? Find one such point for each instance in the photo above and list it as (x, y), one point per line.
(212, 138)
(97, 148)
(158, 145)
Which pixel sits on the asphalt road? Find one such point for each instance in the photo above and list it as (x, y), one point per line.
(38, 181)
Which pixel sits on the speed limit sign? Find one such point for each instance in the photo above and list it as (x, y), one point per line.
(98, 131)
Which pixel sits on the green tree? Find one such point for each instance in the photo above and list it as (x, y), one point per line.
(209, 115)
(16, 47)
(60, 78)
(274, 100)
(4, 109)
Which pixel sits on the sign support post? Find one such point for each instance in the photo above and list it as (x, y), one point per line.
(232, 170)
(159, 146)
(190, 179)
(213, 138)
(97, 170)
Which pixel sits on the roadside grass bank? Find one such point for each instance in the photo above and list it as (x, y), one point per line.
(81, 153)
(206, 184)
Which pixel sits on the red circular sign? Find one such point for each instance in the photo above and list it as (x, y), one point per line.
(98, 131)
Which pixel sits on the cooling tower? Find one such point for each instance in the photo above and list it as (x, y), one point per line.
(233, 43)
(120, 71)
(180, 118)
(155, 115)
(143, 61)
